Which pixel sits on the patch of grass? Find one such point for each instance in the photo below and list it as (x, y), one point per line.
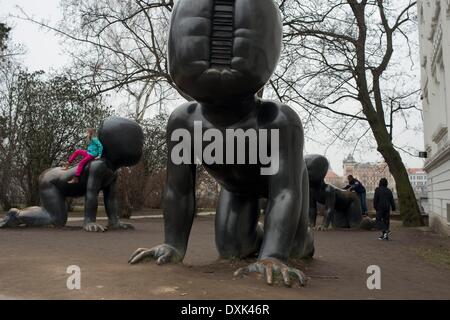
(436, 255)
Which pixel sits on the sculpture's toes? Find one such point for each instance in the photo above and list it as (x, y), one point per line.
(3, 223)
(126, 226)
(10, 220)
(94, 227)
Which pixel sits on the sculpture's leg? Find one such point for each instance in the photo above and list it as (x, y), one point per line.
(30, 217)
(354, 216)
(11, 219)
(312, 210)
(55, 205)
(238, 234)
(303, 246)
(112, 208)
(52, 212)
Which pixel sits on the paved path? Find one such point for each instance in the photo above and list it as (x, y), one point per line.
(33, 265)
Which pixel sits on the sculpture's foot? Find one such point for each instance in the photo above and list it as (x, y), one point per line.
(11, 219)
(368, 224)
(321, 228)
(74, 180)
(272, 268)
(121, 226)
(94, 227)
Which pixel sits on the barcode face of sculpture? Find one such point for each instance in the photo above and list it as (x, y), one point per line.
(221, 50)
(218, 49)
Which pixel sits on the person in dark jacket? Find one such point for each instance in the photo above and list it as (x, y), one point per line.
(383, 201)
(356, 186)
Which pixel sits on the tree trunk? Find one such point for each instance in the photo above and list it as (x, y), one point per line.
(409, 208)
(5, 201)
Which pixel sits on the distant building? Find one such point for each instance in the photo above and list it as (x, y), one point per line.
(418, 179)
(368, 173)
(334, 179)
(434, 29)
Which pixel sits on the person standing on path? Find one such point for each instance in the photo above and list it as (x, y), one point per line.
(383, 201)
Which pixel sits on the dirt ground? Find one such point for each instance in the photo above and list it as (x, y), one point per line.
(33, 264)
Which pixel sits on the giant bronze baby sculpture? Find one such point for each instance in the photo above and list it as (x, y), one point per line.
(342, 208)
(122, 140)
(221, 53)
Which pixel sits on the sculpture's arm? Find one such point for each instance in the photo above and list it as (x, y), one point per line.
(179, 201)
(330, 203)
(96, 173)
(112, 207)
(179, 205)
(179, 211)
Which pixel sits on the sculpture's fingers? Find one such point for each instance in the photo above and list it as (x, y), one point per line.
(241, 272)
(142, 256)
(129, 226)
(165, 258)
(138, 251)
(299, 275)
(269, 274)
(286, 276)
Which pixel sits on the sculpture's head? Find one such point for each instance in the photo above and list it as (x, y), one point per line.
(122, 140)
(317, 166)
(223, 49)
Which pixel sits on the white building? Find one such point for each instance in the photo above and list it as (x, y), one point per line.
(434, 27)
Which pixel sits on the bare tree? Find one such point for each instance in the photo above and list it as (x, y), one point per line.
(118, 45)
(4, 33)
(339, 64)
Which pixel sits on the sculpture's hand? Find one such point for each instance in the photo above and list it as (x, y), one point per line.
(321, 228)
(121, 226)
(94, 227)
(162, 254)
(270, 268)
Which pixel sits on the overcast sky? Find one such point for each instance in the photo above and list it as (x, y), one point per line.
(43, 49)
(44, 52)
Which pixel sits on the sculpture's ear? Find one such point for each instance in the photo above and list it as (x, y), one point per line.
(122, 140)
